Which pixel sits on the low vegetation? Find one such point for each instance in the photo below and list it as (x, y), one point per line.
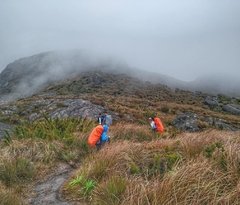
(190, 169)
(138, 165)
(34, 150)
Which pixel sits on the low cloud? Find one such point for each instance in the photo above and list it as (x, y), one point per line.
(183, 39)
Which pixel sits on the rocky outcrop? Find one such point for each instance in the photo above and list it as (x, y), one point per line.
(191, 122)
(186, 122)
(220, 124)
(232, 108)
(211, 101)
(223, 103)
(77, 108)
(54, 108)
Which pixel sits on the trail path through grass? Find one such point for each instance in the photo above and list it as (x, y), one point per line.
(47, 192)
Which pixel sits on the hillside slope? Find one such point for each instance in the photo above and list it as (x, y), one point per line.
(50, 130)
(29, 75)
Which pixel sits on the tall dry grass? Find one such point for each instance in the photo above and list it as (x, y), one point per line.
(33, 150)
(133, 132)
(195, 168)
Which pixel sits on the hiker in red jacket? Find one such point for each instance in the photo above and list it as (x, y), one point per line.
(156, 124)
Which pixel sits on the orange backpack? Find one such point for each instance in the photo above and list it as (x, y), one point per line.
(159, 125)
(95, 135)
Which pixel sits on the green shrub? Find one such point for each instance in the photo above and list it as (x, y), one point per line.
(162, 163)
(86, 185)
(52, 129)
(76, 181)
(209, 150)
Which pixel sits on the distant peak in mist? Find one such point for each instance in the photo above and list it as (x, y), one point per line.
(28, 75)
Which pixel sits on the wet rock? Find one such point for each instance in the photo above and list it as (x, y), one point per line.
(186, 122)
(232, 108)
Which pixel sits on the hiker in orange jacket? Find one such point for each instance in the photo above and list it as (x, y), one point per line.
(156, 124)
(98, 136)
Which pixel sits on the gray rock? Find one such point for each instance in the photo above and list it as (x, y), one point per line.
(77, 108)
(186, 122)
(34, 116)
(56, 108)
(232, 108)
(220, 124)
(211, 101)
(189, 122)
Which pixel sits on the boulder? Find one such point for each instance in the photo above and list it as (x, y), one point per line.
(232, 108)
(186, 122)
(190, 122)
(77, 108)
(211, 101)
(220, 124)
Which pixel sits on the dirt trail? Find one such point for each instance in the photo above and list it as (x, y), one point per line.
(47, 192)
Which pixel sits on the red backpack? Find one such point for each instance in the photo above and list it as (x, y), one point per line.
(159, 125)
(95, 135)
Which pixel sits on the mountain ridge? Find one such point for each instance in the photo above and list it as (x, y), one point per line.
(29, 75)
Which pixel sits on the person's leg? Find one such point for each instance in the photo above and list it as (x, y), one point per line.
(99, 145)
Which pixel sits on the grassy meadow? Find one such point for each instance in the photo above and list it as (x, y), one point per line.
(137, 167)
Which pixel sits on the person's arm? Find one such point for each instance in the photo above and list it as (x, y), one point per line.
(153, 126)
(99, 120)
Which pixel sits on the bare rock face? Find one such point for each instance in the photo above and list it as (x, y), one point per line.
(187, 122)
(211, 101)
(77, 108)
(232, 108)
(190, 122)
(220, 124)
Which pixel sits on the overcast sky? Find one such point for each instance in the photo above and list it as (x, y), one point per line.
(181, 38)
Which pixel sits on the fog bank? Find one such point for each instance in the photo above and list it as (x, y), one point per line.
(184, 39)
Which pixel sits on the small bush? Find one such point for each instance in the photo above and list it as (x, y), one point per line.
(110, 192)
(86, 185)
(165, 109)
(68, 156)
(209, 150)
(53, 129)
(16, 171)
(134, 168)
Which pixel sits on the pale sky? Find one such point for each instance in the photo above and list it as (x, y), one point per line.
(181, 38)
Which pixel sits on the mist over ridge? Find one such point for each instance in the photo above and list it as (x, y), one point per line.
(183, 39)
(29, 75)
